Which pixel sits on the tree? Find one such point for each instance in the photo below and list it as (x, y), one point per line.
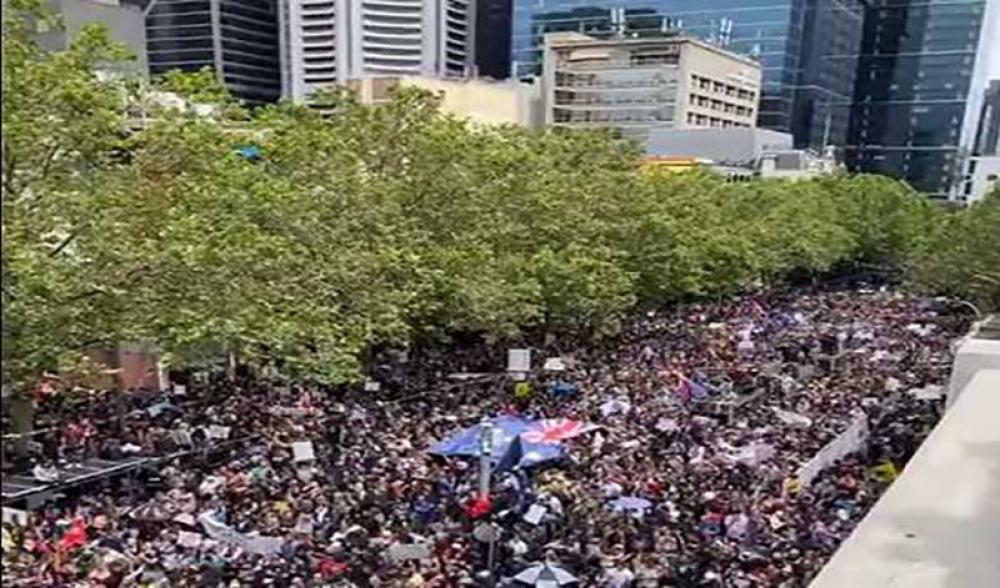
(961, 254)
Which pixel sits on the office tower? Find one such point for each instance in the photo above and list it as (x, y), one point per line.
(123, 21)
(493, 22)
(807, 48)
(920, 84)
(236, 38)
(331, 41)
(988, 133)
(637, 85)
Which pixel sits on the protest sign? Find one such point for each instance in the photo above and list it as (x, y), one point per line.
(931, 392)
(303, 451)
(665, 425)
(218, 432)
(13, 516)
(180, 390)
(304, 524)
(535, 514)
(519, 360)
(372, 386)
(792, 418)
(289, 411)
(249, 543)
(189, 539)
(401, 552)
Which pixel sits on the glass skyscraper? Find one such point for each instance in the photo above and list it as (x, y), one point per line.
(236, 38)
(921, 80)
(803, 46)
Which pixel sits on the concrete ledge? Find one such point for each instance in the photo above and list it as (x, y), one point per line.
(938, 525)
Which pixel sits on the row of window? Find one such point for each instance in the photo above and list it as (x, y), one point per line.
(702, 120)
(710, 85)
(720, 105)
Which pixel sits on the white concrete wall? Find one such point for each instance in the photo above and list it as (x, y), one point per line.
(938, 525)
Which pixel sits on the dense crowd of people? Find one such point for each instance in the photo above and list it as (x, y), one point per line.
(703, 418)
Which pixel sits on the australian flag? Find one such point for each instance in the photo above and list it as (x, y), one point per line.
(516, 441)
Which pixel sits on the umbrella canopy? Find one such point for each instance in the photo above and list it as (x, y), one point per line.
(151, 512)
(616, 406)
(630, 504)
(564, 388)
(545, 575)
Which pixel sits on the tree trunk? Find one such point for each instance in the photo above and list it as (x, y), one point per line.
(22, 411)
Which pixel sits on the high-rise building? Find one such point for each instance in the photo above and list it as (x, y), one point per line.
(493, 22)
(804, 47)
(920, 83)
(328, 42)
(988, 133)
(638, 85)
(238, 39)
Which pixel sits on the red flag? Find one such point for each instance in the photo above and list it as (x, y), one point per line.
(479, 506)
(329, 567)
(75, 537)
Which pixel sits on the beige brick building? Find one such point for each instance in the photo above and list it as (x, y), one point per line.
(636, 85)
(483, 102)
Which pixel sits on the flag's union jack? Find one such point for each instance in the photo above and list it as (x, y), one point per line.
(554, 431)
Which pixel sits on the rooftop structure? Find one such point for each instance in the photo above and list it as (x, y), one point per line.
(738, 153)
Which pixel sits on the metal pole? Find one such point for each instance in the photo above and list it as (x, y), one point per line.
(485, 470)
(491, 581)
(485, 457)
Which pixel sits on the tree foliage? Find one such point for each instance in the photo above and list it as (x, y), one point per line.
(960, 256)
(360, 226)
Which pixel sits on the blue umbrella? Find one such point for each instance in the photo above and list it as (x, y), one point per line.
(564, 389)
(630, 504)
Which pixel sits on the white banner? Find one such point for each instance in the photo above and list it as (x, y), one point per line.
(850, 441)
(249, 543)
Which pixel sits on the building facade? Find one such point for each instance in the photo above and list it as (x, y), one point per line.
(327, 42)
(638, 85)
(921, 80)
(807, 48)
(981, 175)
(478, 101)
(238, 39)
(493, 28)
(988, 132)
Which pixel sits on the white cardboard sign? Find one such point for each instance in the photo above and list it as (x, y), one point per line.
(519, 360)
(303, 451)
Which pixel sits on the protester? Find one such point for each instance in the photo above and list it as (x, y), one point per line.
(707, 416)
